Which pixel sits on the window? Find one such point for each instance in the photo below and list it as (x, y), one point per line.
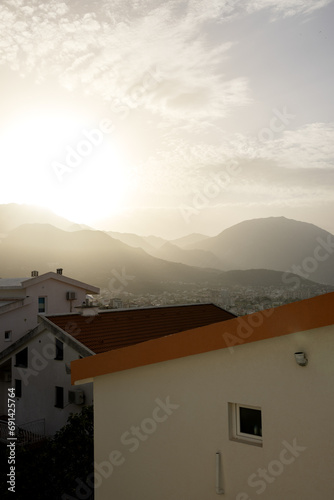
(41, 305)
(245, 423)
(8, 335)
(18, 388)
(59, 397)
(59, 350)
(21, 358)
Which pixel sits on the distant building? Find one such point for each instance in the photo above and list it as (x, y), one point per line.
(237, 408)
(116, 303)
(25, 352)
(22, 299)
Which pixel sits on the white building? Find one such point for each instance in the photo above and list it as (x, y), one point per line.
(242, 408)
(37, 366)
(22, 299)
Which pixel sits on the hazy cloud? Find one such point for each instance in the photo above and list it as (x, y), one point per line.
(106, 48)
(287, 8)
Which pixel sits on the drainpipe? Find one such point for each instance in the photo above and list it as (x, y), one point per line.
(219, 489)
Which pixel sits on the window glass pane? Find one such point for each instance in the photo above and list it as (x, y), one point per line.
(21, 358)
(8, 334)
(18, 388)
(250, 421)
(59, 349)
(41, 304)
(59, 397)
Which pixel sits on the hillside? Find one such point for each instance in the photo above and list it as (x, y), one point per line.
(95, 257)
(275, 243)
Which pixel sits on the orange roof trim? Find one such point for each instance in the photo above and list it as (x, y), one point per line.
(295, 317)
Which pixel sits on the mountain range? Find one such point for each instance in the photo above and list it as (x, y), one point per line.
(255, 252)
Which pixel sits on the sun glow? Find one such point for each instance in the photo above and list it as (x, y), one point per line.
(58, 163)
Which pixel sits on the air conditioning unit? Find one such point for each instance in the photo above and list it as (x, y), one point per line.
(71, 296)
(76, 397)
(8, 377)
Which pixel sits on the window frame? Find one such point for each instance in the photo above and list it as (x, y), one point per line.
(235, 432)
(43, 302)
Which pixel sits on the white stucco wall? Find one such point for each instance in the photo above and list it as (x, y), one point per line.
(21, 320)
(174, 458)
(39, 380)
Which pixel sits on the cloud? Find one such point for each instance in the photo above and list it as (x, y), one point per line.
(106, 48)
(287, 8)
(294, 168)
(309, 147)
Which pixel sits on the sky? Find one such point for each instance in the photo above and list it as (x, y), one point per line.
(168, 117)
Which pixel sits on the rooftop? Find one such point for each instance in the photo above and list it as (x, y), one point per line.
(12, 282)
(22, 283)
(120, 328)
(299, 316)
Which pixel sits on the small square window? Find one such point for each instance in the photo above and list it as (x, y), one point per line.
(8, 335)
(59, 350)
(245, 423)
(18, 388)
(21, 358)
(59, 397)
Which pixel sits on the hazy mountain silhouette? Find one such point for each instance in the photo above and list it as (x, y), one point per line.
(13, 215)
(192, 257)
(189, 239)
(275, 243)
(98, 259)
(147, 243)
(162, 249)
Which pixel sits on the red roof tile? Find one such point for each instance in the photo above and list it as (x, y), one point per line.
(115, 329)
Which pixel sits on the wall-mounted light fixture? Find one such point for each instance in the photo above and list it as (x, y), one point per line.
(301, 358)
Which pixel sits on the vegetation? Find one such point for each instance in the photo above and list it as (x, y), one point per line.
(60, 468)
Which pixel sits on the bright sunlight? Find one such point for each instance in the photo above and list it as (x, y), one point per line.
(58, 163)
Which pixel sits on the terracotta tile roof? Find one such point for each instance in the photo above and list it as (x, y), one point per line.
(121, 328)
(299, 316)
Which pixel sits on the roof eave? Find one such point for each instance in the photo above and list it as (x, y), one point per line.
(291, 318)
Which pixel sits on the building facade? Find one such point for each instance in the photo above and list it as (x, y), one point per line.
(22, 299)
(32, 359)
(37, 365)
(241, 409)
